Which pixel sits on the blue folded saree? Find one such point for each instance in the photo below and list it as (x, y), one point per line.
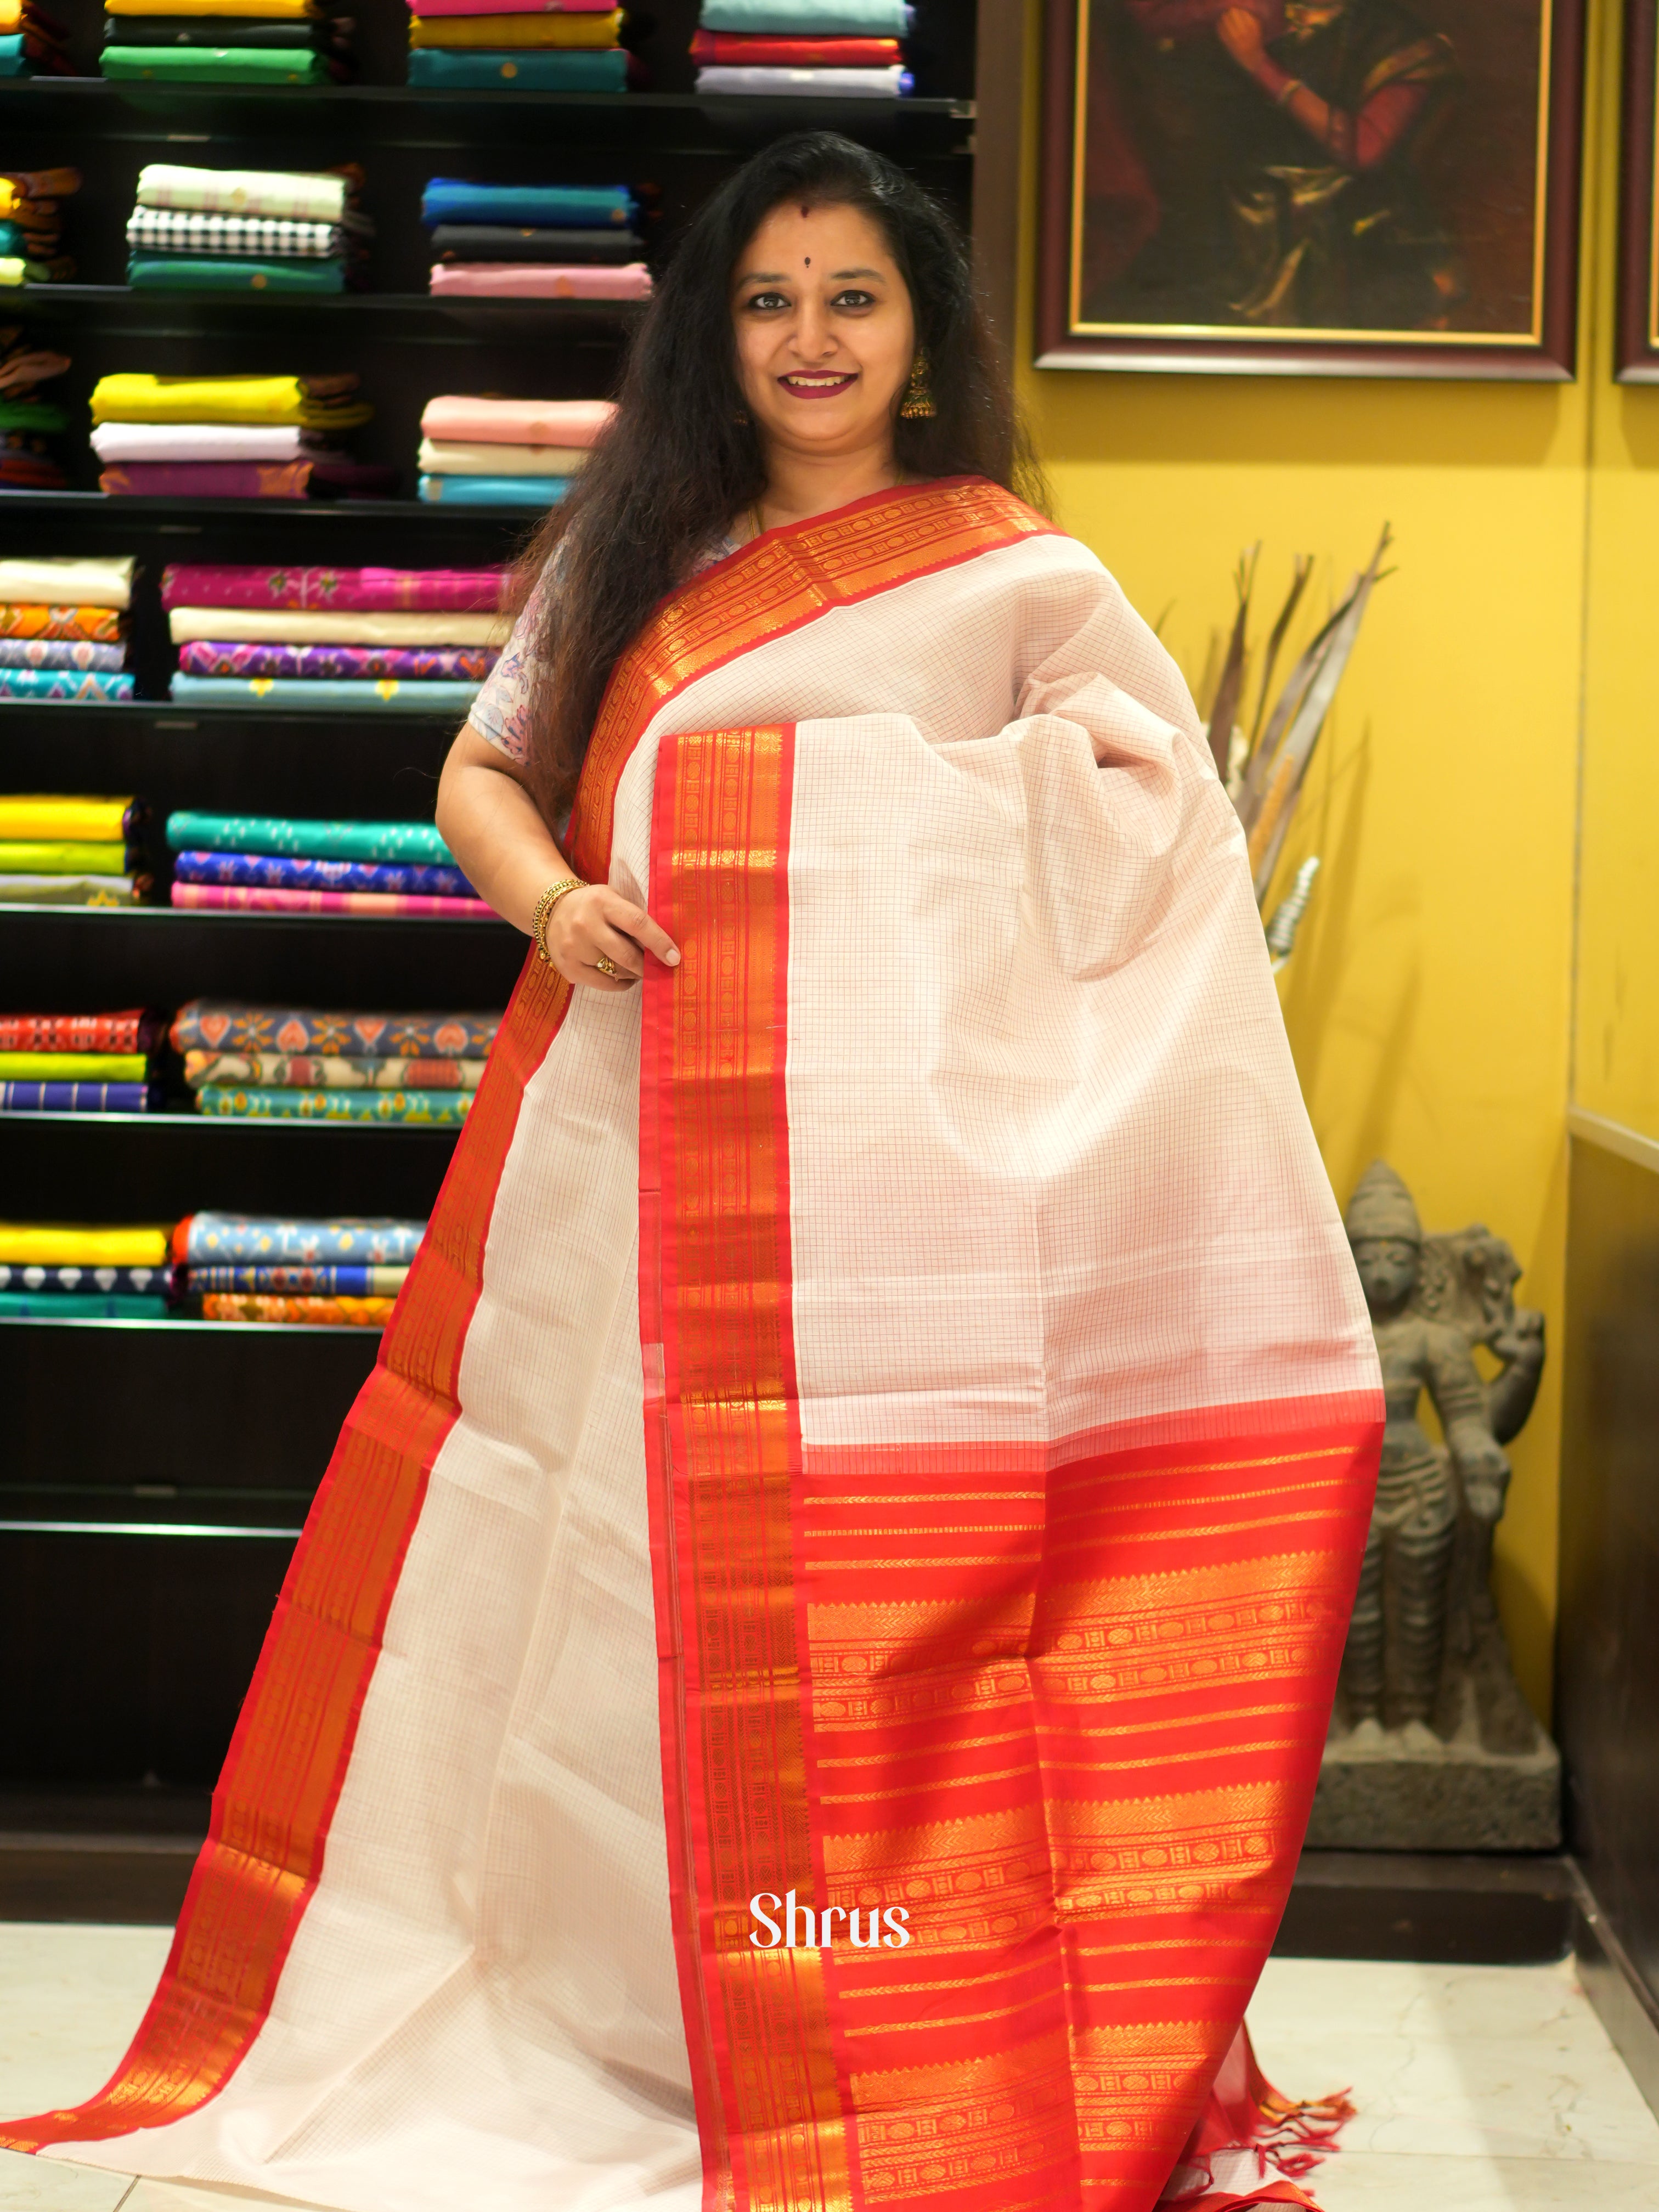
(78, 1098)
(432, 695)
(461, 69)
(541, 207)
(285, 871)
(494, 491)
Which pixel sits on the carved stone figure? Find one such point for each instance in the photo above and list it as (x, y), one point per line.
(1432, 1746)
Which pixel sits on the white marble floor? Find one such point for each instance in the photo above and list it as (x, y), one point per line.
(1480, 2089)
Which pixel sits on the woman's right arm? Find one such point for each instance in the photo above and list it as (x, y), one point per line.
(491, 823)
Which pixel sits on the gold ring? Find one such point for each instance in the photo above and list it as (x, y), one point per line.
(606, 965)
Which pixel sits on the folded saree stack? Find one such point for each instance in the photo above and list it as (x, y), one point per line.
(531, 45)
(29, 460)
(535, 241)
(506, 452)
(32, 43)
(63, 628)
(835, 49)
(231, 437)
(80, 1063)
(82, 1270)
(272, 864)
(71, 851)
(246, 230)
(31, 206)
(414, 639)
(271, 1267)
(305, 1063)
(267, 42)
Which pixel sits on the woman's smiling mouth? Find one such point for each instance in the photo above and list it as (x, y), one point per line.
(817, 384)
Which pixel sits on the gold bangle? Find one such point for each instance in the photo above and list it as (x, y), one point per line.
(545, 906)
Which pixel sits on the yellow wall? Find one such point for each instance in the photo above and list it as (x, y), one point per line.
(1429, 1003)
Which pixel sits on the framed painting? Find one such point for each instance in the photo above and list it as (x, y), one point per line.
(1313, 187)
(1638, 230)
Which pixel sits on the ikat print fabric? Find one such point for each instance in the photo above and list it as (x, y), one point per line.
(61, 654)
(346, 1280)
(64, 684)
(319, 1313)
(369, 906)
(306, 839)
(133, 1030)
(368, 590)
(347, 663)
(283, 872)
(430, 698)
(236, 1025)
(330, 1071)
(443, 1108)
(266, 1239)
(132, 1282)
(33, 620)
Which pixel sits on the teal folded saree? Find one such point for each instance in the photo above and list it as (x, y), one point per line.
(602, 69)
(494, 491)
(215, 64)
(312, 841)
(149, 272)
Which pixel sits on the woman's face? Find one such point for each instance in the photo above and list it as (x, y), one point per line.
(825, 330)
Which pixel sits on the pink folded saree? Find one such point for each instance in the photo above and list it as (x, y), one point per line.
(423, 591)
(523, 280)
(517, 7)
(517, 422)
(258, 898)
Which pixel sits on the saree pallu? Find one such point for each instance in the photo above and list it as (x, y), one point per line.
(331, 1071)
(367, 906)
(131, 1032)
(362, 591)
(319, 1313)
(898, 1432)
(307, 840)
(60, 653)
(324, 1282)
(31, 620)
(452, 664)
(64, 684)
(435, 1108)
(266, 1239)
(79, 1098)
(130, 1282)
(233, 1026)
(315, 693)
(285, 874)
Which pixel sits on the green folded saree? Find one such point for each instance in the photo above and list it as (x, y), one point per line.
(215, 64)
(193, 273)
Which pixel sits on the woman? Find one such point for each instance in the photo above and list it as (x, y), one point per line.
(803, 1681)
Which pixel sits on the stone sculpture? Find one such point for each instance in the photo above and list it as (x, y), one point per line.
(1432, 1746)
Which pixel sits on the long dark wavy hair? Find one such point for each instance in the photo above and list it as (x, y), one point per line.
(680, 458)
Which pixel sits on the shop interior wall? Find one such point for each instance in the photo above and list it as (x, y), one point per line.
(1430, 999)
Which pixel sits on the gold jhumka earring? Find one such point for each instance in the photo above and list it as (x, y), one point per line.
(917, 404)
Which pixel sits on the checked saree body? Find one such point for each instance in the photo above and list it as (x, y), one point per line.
(927, 1472)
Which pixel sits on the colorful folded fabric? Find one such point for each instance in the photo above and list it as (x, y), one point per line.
(206, 479)
(186, 230)
(313, 401)
(130, 1282)
(268, 1238)
(79, 1305)
(237, 1025)
(445, 457)
(133, 1031)
(810, 18)
(515, 7)
(32, 415)
(42, 814)
(189, 831)
(524, 72)
(64, 684)
(63, 856)
(342, 626)
(18, 186)
(286, 1071)
(60, 652)
(280, 11)
(293, 195)
(214, 66)
(540, 280)
(809, 83)
(79, 1098)
(75, 1244)
(494, 491)
(74, 1067)
(517, 422)
(284, 872)
(493, 241)
(560, 207)
(67, 582)
(203, 441)
(345, 1281)
(413, 664)
(518, 30)
(733, 50)
(374, 590)
(72, 890)
(94, 624)
(219, 30)
(155, 272)
(321, 1313)
(444, 1108)
(382, 906)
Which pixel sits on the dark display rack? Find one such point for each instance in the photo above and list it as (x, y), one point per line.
(153, 1474)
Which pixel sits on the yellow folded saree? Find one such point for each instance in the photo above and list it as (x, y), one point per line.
(73, 1067)
(313, 402)
(568, 32)
(59, 856)
(94, 821)
(71, 1244)
(269, 11)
